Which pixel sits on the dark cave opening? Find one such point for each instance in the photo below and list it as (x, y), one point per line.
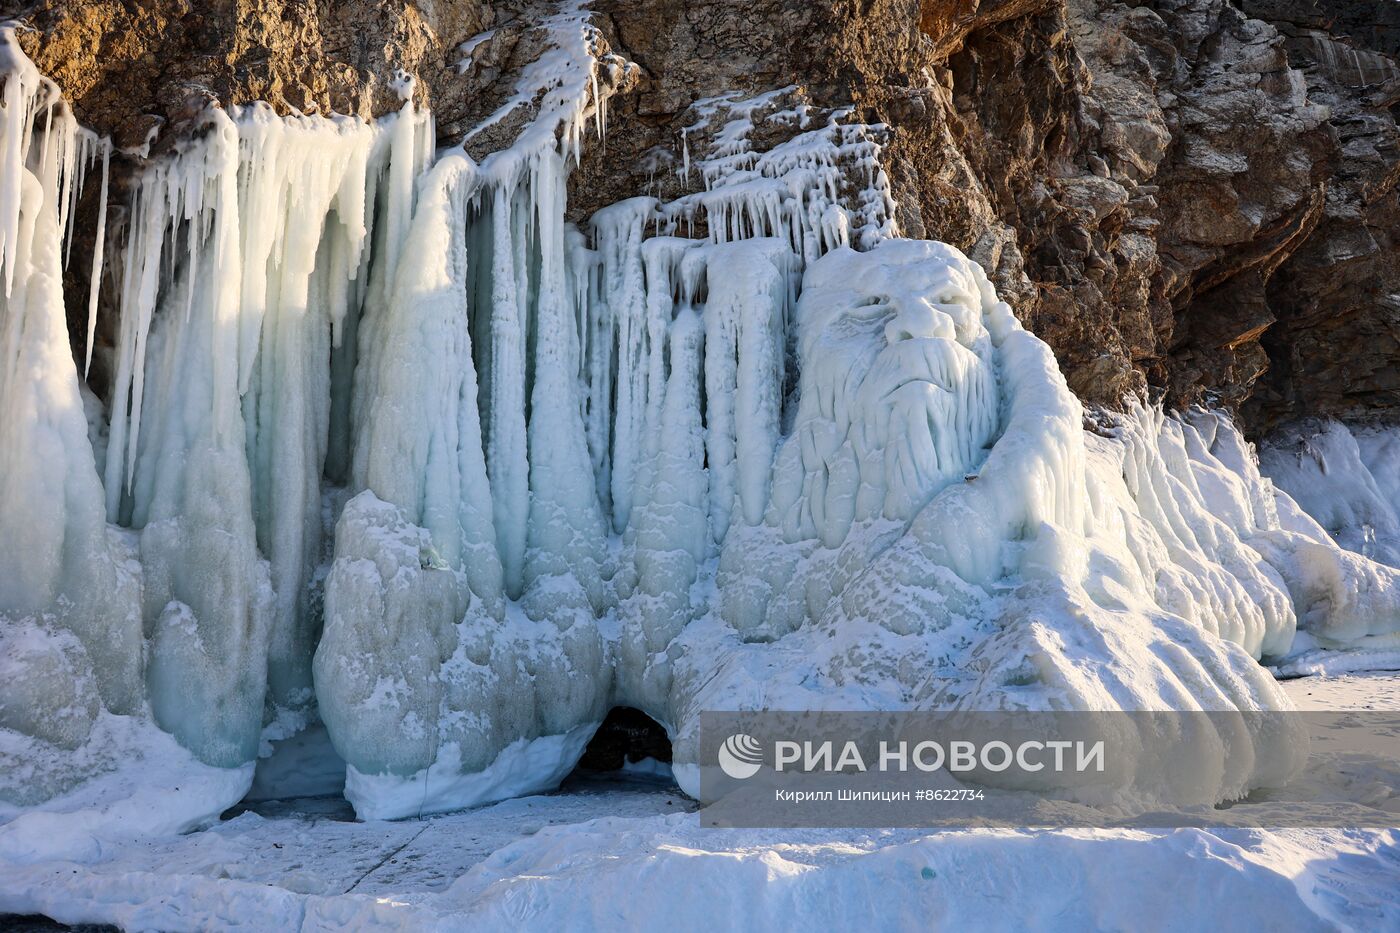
(628, 737)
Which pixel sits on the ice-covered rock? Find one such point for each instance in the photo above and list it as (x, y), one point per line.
(944, 534)
(744, 450)
(1347, 480)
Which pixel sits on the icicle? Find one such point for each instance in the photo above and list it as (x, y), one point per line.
(565, 527)
(619, 230)
(61, 569)
(154, 202)
(758, 393)
(322, 168)
(599, 103)
(506, 456)
(21, 85)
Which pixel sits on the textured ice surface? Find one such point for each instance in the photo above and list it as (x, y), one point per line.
(394, 450)
(70, 625)
(1343, 485)
(582, 855)
(1347, 481)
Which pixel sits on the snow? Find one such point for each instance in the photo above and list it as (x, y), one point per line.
(468, 49)
(146, 786)
(623, 855)
(1373, 690)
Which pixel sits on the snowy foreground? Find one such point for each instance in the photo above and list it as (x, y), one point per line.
(386, 482)
(623, 852)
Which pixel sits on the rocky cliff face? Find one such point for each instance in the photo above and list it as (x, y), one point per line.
(1337, 296)
(1196, 196)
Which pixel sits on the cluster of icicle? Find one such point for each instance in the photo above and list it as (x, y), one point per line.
(823, 187)
(58, 556)
(183, 565)
(393, 446)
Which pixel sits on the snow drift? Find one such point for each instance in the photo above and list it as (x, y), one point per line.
(393, 447)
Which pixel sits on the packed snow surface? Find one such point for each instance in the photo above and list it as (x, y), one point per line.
(626, 854)
(402, 482)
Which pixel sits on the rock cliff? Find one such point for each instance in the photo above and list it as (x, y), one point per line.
(1188, 197)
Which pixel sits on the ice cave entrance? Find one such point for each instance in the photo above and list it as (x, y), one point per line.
(628, 742)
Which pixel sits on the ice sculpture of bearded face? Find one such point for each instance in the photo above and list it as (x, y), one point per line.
(898, 388)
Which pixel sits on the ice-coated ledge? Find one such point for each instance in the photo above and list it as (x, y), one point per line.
(527, 766)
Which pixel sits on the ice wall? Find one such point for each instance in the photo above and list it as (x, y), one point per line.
(243, 270)
(1347, 480)
(243, 262)
(601, 413)
(943, 533)
(80, 757)
(70, 626)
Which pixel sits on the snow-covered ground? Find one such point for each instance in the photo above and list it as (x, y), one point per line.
(573, 862)
(1376, 690)
(608, 852)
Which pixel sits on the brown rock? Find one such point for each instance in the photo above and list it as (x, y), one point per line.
(1199, 195)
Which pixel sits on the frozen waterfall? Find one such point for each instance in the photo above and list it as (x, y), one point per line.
(393, 449)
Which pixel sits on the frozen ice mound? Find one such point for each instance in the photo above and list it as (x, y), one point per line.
(934, 530)
(1337, 485)
(986, 552)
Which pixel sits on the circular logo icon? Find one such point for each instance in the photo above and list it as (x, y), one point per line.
(740, 756)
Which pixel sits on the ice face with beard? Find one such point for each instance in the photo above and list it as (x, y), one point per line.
(901, 396)
(898, 387)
